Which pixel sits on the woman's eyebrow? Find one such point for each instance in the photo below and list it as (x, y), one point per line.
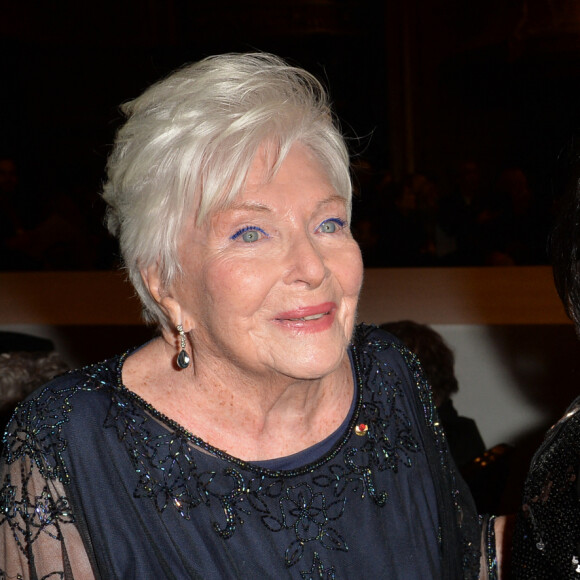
(249, 206)
(334, 198)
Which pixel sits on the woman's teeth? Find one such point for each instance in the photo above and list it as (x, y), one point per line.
(312, 317)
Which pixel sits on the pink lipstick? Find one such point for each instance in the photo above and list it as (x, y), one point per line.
(308, 318)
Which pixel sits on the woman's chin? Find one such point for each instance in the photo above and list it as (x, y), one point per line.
(309, 361)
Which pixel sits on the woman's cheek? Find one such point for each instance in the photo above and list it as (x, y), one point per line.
(354, 269)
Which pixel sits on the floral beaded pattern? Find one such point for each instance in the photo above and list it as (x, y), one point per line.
(34, 447)
(32, 516)
(35, 442)
(169, 475)
(36, 435)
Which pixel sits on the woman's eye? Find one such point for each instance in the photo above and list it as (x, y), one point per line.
(249, 234)
(331, 226)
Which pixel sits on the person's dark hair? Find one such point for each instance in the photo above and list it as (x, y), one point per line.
(565, 241)
(436, 357)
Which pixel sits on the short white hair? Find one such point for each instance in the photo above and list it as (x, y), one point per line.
(187, 146)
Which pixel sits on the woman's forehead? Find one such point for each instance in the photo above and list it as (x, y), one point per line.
(268, 166)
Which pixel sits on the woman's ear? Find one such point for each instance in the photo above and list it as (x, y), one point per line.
(162, 295)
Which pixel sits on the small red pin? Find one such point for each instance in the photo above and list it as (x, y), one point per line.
(361, 429)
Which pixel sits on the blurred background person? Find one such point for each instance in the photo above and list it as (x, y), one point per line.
(26, 363)
(438, 362)
(519, 233)
(402, 239)
(486, 471)
(465, 214)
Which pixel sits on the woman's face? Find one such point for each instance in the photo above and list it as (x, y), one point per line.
(271, 284)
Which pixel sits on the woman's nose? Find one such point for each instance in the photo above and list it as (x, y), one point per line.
(305, 262)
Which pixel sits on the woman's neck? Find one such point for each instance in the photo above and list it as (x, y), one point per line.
(251, 417)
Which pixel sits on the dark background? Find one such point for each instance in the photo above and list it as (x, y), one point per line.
(419, 85)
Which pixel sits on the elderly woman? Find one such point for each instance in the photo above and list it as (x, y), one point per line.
(261, 434)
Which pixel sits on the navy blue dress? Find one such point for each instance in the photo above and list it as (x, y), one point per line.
(98, 484)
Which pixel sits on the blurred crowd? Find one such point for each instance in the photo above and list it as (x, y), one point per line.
(472, 221)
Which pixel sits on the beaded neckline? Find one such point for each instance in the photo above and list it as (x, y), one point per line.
(248, 465)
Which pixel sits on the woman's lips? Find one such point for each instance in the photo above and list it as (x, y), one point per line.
(309, 318)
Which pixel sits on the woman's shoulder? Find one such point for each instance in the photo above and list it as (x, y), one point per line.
(378, 343)
(65, 402)
(92, 378)
(371, 332)
(381, 356)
